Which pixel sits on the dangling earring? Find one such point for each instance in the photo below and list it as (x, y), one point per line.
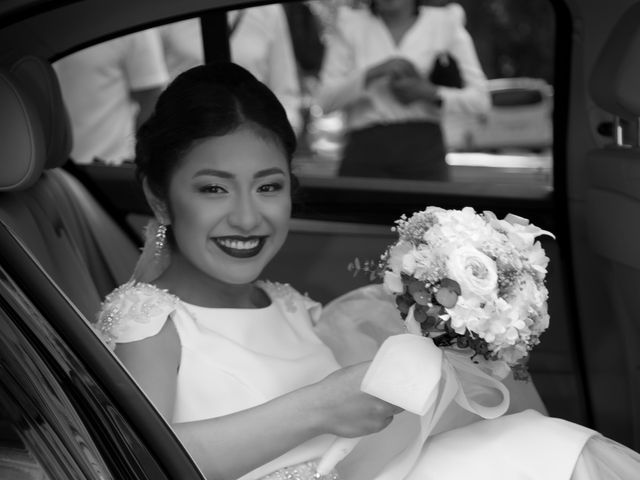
(160, 240)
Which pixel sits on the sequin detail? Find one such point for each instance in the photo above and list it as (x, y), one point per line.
(283, 292)
(132, 302)
(302, 471)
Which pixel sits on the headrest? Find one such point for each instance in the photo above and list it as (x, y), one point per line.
(616, 74)
(38, 78)
(22, 143)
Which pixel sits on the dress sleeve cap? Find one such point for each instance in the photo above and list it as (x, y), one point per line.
(134, 312)
(292, 300)
(457, 14)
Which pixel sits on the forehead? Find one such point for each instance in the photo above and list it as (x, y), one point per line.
(242, 150)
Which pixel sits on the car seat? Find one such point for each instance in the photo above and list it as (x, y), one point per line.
(613, 194)
(72, 237)
(53, 274)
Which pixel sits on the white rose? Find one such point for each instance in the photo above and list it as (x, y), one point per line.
(393, 282)
(396, 254)
(409, 263)
(476, 273)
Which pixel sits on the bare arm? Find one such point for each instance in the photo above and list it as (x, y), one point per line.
(230, 446)
(474, 96)
(342, 83)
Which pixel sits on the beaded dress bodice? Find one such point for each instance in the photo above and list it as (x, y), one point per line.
(232, 359)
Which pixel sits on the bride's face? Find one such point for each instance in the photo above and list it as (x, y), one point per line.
(230, 205)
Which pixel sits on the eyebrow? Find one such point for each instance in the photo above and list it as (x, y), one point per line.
(222, 174)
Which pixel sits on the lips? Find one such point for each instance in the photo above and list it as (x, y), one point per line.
(240, 247)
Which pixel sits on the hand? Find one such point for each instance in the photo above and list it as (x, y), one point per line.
(409, 90)
(393, 68)
(345, 410)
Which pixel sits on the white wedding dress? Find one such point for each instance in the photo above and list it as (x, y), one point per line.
(234, 359)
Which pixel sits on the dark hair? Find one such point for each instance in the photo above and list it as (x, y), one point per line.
(374, 9)
(205, 101)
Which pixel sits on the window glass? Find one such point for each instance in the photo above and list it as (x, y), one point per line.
(509, 138)
(109, 89)
(365, 98)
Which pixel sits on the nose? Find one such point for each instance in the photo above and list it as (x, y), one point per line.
(245, 214)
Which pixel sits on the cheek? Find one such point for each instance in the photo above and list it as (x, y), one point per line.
(280, 214)
(189, 217)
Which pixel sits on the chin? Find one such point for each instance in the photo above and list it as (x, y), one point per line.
(236, 274)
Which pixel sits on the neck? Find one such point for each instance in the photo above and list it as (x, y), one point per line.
(196, 287)
(398, 16)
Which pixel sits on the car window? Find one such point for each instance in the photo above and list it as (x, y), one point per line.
(497, 128)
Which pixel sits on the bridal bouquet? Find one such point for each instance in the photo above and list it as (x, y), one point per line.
(471, 281)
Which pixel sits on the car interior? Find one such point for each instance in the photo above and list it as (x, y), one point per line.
(69, 233)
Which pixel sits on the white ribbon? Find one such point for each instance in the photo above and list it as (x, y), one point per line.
(411, 372)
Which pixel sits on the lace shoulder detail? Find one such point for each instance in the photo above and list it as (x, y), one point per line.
(134, 311)
(291, 299)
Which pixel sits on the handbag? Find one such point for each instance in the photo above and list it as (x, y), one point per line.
(445, 72)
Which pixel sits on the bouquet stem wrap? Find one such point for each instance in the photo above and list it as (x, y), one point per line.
(411, 372)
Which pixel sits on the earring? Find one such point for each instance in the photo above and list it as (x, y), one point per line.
(160, 241)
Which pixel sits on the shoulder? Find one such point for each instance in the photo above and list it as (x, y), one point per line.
(457, 14)
(290, 299)
(134, 311)
(268, 14)
(451, 15)
(358, 18)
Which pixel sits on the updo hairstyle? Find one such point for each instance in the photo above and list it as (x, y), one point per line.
(206, 101)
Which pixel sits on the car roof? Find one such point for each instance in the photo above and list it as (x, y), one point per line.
(53, 28)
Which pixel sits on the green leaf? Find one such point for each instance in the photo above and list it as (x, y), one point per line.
(420, 315)
(446, 297)
(451, 285)
(422, 298)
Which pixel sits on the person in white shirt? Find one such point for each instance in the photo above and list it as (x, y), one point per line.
(260, 41)
(377, 71)
(109, 89)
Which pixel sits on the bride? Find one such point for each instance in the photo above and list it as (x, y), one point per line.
(256, 379)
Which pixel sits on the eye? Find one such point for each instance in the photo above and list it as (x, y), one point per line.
(270, 187)
(212, 189)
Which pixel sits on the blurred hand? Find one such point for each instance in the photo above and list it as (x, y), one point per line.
(347, 411)
(409, 90)
(393, 68)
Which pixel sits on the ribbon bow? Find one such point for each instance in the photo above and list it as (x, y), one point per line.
(411, 372)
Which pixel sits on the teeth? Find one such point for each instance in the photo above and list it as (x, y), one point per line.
(239, 245)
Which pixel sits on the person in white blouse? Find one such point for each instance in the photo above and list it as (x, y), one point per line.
(377, 71)
(110, 89)
(259, 40)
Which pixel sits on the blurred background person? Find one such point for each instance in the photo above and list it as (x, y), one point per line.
(109, 90)
(306, 30)
(381, 69)
(260, 41)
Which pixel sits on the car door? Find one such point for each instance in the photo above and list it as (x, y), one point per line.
(339, 218)
(68, 409)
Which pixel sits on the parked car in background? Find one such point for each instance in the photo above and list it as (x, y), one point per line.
(520, 118)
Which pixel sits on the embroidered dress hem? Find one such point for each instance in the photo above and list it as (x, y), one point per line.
(302, 471)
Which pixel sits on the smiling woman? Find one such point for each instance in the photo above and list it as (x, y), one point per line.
(230, 360)
(227, 209)
(214, 160)
(583, 373)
